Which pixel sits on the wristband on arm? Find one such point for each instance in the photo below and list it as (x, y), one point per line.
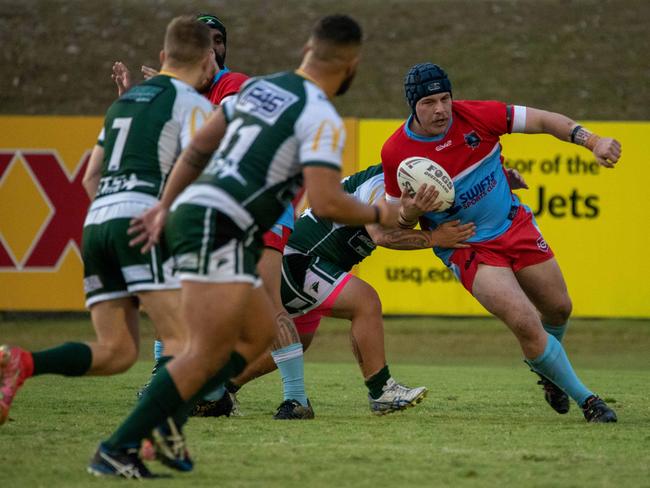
(582, 137)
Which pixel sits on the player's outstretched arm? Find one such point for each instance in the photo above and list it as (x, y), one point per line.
(93, 172)
(450, 234)
(606, 149)
(328, 200)
(122, 77)
(147, 228)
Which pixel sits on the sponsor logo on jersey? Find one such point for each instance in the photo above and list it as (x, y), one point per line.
(362, 244)
(137, 272)
(472, 139)
(141, 94)
(440, 147)
(92, 283)
(187, 261)
(113, 184)
(478, 191)
(335, 130)
(541, 244)
(265, 100)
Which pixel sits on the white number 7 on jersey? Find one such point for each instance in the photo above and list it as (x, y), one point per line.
(122, 124)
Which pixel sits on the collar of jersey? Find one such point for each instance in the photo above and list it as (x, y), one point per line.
(168, 73)
(221, 72)
(418, 137)
(304, 75)
(172, 75)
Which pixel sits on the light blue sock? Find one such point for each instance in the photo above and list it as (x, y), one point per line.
(555, 365)
(216, 394)
(158, 348)
(556, 331)
(291, 364)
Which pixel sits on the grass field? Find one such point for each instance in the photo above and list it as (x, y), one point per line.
(484, 422)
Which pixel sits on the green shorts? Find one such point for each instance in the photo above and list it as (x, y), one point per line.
(208, 246)
(113, 269)
(307, 282)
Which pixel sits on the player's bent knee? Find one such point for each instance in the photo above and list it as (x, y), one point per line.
(564, 311)
(559, 314)
(525, 326)
(119, 359)
(368, 303)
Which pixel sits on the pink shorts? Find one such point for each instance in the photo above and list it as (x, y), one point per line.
(520, 246)
(309, 322)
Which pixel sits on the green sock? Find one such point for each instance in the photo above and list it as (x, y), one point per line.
(377, 382)
(69, 359)
(235, 365)
(160, 401)
(556, 331)
(162, 360)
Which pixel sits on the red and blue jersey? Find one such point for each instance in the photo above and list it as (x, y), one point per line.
(470, 152)
(225, 83)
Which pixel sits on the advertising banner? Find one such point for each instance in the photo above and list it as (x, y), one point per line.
(42, 209)
(595, 220)
(43, 206)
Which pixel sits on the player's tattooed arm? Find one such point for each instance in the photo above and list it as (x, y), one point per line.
(400, 239)
(448, 235)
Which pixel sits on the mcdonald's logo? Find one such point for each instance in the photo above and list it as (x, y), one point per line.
(336, 132)
(42, 209)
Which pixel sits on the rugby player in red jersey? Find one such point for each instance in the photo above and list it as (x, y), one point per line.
(508, 267)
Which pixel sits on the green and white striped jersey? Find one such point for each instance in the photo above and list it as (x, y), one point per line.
(144, 132)
(277, 124)
(340, 244)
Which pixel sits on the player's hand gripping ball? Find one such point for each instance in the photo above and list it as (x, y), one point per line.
(416, 171)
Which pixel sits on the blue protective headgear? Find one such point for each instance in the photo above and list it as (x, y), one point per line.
(425, 79)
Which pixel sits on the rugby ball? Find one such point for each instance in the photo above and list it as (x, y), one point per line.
(413, 172)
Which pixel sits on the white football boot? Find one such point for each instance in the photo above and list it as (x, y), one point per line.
(396, 397)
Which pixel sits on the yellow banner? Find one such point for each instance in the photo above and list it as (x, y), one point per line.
(42, 209)
(595, 220)
(43, 206)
